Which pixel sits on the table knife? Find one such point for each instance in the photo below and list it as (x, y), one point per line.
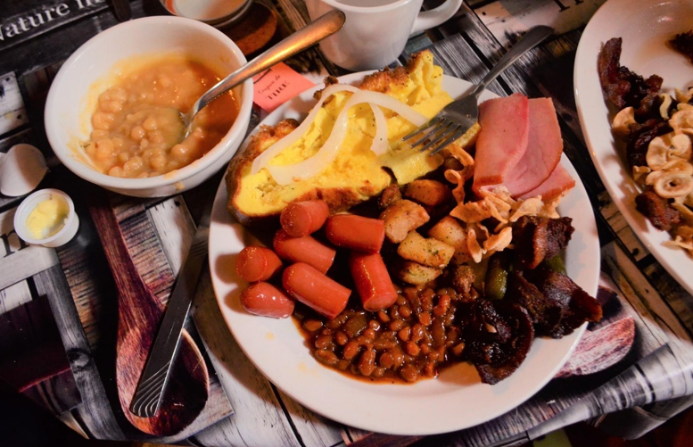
(152, 383)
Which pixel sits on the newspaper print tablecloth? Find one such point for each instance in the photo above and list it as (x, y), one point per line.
(638, 359)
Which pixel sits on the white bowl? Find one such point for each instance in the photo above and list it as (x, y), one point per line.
(62, 236)
(85, 74)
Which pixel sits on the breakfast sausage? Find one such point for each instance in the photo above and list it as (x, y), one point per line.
(356, 232)
(304, 249)
(372, 280)
(257, 264)
(303, 218)
(315, 290)
(266, 300)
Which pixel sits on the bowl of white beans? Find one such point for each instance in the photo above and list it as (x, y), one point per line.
(113, 112)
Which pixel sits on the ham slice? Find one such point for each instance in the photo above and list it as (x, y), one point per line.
(502, 141)
(558, 182)
(544, 149)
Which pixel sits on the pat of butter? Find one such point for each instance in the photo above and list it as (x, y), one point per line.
(48, 217)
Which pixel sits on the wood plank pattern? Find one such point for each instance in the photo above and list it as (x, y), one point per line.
(96, 414)
(17, 259)
(12, 111)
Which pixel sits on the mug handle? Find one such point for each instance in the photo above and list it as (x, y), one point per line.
(434, 17)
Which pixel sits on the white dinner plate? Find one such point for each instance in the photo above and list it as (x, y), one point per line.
(645, 27)
(456, 399)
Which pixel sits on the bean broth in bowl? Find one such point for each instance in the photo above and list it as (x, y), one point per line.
(137, 128)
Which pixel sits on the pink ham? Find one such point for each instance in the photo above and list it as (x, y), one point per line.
(558, 182)
(502, 141)
(544, 149)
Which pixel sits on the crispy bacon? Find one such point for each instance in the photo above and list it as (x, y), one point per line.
(539, 238)
(657, 210)
(623, 87)
(683, 43)
(499, 336)
(545, 313)
(578, 306)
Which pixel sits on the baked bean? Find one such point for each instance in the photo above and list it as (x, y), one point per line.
(425, 318)
(412, 349)
(351, 349)
(312, 325)
(367, 362)
(396, 325)
(369, 334)
(404, 333)
(341, 338)
(326, 357)
(405, 311)
(417, 333)
(408, 341)
(409, 373)
(323, 342)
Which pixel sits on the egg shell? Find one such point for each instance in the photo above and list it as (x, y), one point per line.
(21, 170)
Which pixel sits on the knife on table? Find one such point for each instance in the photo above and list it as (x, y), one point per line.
(152, 383)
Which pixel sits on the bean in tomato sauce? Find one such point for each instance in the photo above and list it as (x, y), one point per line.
(410, 340)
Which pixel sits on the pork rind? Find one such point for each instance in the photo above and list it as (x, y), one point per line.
(499, 205)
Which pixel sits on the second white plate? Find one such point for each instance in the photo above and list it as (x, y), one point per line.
(645, 27)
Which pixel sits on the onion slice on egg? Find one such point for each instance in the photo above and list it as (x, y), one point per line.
(312, 166)
(264, 158)
(380, 144)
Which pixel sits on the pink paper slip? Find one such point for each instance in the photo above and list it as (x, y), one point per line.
(277, 85)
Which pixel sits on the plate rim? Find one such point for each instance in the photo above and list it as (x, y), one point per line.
(650, 237)
(594, 254)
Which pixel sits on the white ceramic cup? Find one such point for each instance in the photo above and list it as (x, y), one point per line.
(376, 31)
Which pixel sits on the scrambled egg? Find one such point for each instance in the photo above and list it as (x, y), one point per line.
(357, 173)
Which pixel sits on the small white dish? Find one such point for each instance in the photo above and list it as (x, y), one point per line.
(64, 234)
(218, 13)
(456, 399)
(90, 69)
(645, 27)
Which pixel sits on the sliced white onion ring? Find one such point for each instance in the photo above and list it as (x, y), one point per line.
(312, 166)
(380, 144)
(264, 158)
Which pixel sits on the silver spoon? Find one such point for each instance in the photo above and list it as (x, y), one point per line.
(314, 32)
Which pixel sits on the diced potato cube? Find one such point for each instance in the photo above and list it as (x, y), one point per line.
(427, 192)
(417, 274)
(430, 252)
(448, 230)
(402, 217)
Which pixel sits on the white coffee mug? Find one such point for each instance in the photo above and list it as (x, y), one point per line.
(376, 31)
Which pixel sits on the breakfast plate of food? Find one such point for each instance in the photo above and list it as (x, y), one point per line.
(633, 73)
(384, 288)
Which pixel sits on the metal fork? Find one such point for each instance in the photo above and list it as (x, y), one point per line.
(459, 116)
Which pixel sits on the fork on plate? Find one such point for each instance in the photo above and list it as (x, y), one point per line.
(459, 116)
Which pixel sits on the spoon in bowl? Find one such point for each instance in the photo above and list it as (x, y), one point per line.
(308, 36)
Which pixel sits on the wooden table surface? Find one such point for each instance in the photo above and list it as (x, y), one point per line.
(58, 306)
